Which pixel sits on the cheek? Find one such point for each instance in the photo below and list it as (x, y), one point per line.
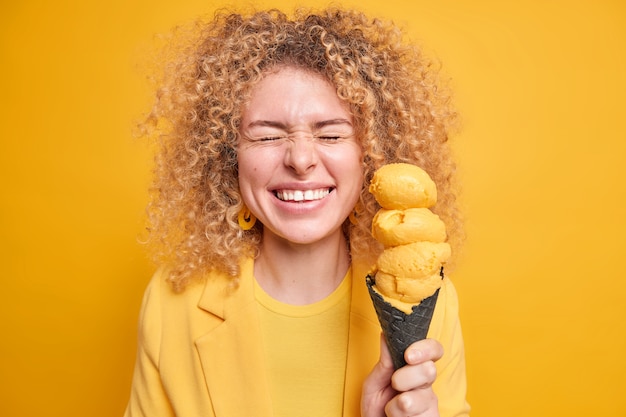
(253, 168)
(349, 164)
(245, 163)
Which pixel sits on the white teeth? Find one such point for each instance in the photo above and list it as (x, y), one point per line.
(302, 195)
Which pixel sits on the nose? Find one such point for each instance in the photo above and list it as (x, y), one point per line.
(301, 155)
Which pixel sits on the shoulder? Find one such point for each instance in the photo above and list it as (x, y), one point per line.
(167, 314)
(159, 293)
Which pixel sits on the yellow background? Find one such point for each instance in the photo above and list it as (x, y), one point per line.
(541, 88)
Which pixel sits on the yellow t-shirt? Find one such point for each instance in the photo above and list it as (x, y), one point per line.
(306, 350)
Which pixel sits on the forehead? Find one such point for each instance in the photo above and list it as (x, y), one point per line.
(292, 94)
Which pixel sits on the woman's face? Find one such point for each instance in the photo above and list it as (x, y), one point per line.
(299, 160)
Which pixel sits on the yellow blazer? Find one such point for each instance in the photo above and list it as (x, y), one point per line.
(199, 356)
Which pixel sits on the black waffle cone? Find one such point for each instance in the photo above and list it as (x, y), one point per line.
(401, 329)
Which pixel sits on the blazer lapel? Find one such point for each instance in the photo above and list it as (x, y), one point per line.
(231, 353)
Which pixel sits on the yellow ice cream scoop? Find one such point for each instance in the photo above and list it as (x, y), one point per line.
(414, 260)
(401, 186)
(409, 273)
(404, 293)
(400, 227)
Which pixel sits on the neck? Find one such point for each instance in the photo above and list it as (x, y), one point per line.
(301, 274)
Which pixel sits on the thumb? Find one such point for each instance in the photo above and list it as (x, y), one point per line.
(380, 377)
(377, 391)
(385, 355)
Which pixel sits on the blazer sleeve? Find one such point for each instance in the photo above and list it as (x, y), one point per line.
(450, 385)
(148, 396)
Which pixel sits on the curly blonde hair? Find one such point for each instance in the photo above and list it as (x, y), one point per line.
(401, 113)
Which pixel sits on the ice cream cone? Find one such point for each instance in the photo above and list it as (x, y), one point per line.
(401, 329)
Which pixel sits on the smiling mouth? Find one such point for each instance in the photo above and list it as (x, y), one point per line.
(302, 195)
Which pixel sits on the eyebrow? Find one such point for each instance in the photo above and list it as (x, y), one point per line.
(316, 125)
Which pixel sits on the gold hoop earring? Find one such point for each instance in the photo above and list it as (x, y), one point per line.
(246, 219)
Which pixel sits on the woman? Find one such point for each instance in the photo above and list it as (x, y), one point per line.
(271, 130)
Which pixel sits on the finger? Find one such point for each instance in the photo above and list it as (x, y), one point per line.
(422, 403)
(412, 377)
(423, 351)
